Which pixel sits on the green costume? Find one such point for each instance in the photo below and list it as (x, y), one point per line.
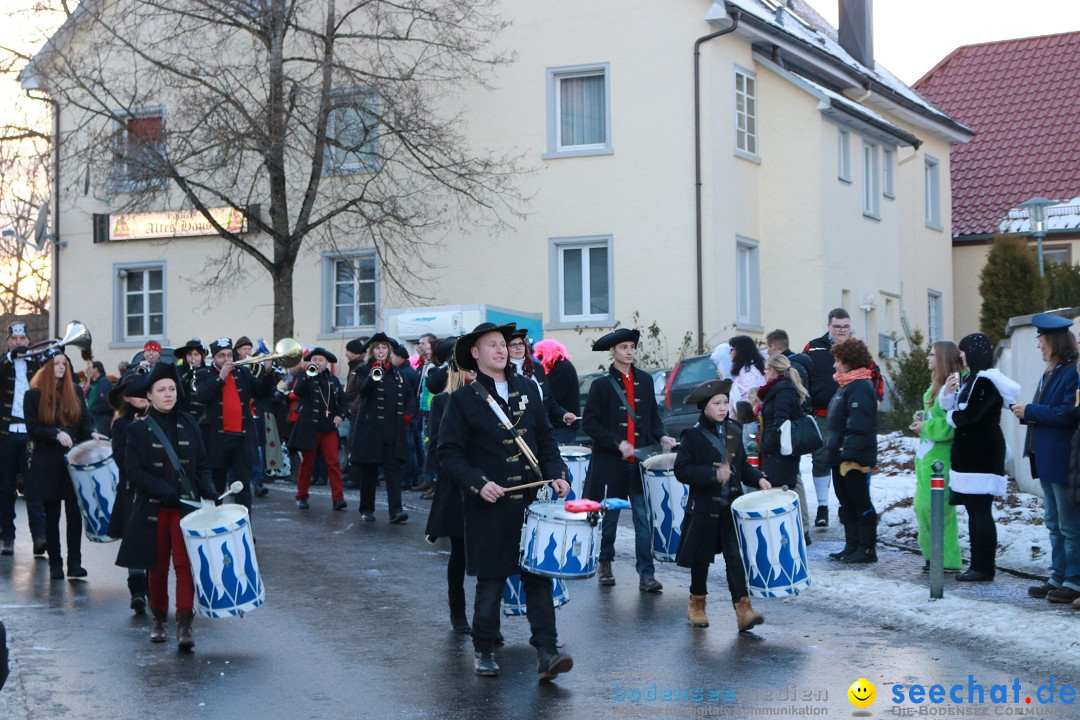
(935, 443)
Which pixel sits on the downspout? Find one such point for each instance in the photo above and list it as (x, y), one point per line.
(697, 175)
(54, 260)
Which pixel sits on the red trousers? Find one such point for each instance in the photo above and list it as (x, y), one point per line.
(327, 444)
(171, 543)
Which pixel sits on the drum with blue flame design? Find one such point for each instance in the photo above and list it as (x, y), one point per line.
(770, 533)
(95, 476)
(577, 459)
(513, 602)
(559, 544)
(222, 555)
(665, 497)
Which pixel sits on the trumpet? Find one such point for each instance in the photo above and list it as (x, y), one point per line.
(312, 370)
(377, 373)
(287, 352)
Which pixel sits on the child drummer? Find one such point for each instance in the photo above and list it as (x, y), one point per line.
(712, 461)
(481, 455)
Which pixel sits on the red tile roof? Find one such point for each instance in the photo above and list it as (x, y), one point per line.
(1022, 99)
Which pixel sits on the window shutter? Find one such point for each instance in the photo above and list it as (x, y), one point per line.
(101, 228)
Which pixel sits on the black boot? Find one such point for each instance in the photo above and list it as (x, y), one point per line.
(550, 663)
(184, 640)
(485, 664)
(458, 618)
(157, 632)
(137, 588)
(867, 550)
(851, 542)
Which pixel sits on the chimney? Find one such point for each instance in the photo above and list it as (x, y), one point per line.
(857, 30)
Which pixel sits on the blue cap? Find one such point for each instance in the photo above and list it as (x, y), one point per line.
(1046, 323)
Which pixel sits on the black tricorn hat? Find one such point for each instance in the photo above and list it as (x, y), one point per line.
(522, 333)
(381, 337)
(462, 355)
(192, 344)
(437, 379)
(615, 337)
(356, 346)
(444, 350)
(161, 371)
(130, 385)
(706, 391)
(330, 357)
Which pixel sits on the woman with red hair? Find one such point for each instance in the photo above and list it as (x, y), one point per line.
(56, 420)
(562, 387)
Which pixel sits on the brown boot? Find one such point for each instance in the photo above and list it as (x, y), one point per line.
(696, 612)
(157, 631)
(745, 615)
(184, 640)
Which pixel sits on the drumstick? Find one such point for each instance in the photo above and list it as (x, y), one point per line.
(532, 484)
(236, 487)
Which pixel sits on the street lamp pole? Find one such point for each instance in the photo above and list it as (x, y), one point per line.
(1036, 208)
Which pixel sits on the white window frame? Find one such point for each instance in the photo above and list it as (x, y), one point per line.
(365, 100)
(747, 138)
(843, 155)
(121, 272)
(935, 316)
(932, 192)
(555, 75)
(556, 249)
(330, 328)
(747, 284)
(871, 183)
(119, 174)
(888, 173)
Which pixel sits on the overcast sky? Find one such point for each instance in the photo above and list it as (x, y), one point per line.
(911, 36)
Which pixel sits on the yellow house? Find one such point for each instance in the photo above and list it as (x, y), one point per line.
(714, 168)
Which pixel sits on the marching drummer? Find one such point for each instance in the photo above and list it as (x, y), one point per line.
(152, 537)
(56, 421)
(712, 461)
(621, 417)
(482, 456)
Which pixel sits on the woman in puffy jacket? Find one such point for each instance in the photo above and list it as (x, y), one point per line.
(781, 399)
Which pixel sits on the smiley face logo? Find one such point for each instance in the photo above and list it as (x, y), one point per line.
(862, 693)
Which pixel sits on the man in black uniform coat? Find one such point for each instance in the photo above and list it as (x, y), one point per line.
(227, 426)
(614, 469)
(480, 455)
(319, 412)
(15, 373)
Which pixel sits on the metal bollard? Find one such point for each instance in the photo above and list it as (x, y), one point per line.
(937, 530)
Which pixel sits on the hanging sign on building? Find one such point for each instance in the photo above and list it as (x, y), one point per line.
(173, 224)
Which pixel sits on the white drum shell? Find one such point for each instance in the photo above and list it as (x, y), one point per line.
(770, 533)
(223, 563)
(577, 459)
(556, 543)
(95, 476)
(666, 500)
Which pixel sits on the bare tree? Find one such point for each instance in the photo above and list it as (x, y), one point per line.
(322, 126)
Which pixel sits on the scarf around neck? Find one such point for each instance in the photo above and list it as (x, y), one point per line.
(845, 379)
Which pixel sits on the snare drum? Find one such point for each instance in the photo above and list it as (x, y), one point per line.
(222, 554)
(576, 458)
(513, 603)
(559, 544)
(666, 499)
(95, 476)
(770, 532)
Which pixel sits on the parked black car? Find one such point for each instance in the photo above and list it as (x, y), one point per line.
(687, 374)
(586, 381)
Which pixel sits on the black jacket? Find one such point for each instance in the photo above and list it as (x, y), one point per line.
(156, 483)
(605, 421)
(780, 403)
(851, 425)
(696, 463)
(1074, 462)
(474, 449)
(447, 517)
(379, 425)
(561, 384)
(312, 396)
(209, 387)
(7, 389)
(125, 493)
(189, 384)
(49, 479)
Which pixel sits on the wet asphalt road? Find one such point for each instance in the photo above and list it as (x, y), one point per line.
(355, 626)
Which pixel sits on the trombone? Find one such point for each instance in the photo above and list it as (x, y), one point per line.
(76, 334)
(287, 353)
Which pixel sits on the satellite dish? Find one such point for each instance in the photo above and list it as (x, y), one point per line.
(41, 227)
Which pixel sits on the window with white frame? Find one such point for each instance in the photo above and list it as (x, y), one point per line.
(871, 183)
(932, 188)
(888, 173)
(582, 280)
(747, 283)
(579, 110)
(141, 302)
(352, 133)
(138, 148)
(353, 288)
(746, 135)
(843, 155)
(935, 320)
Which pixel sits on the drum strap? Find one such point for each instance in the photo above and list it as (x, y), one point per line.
(725, 455)
(170, 452)
(503, 422)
